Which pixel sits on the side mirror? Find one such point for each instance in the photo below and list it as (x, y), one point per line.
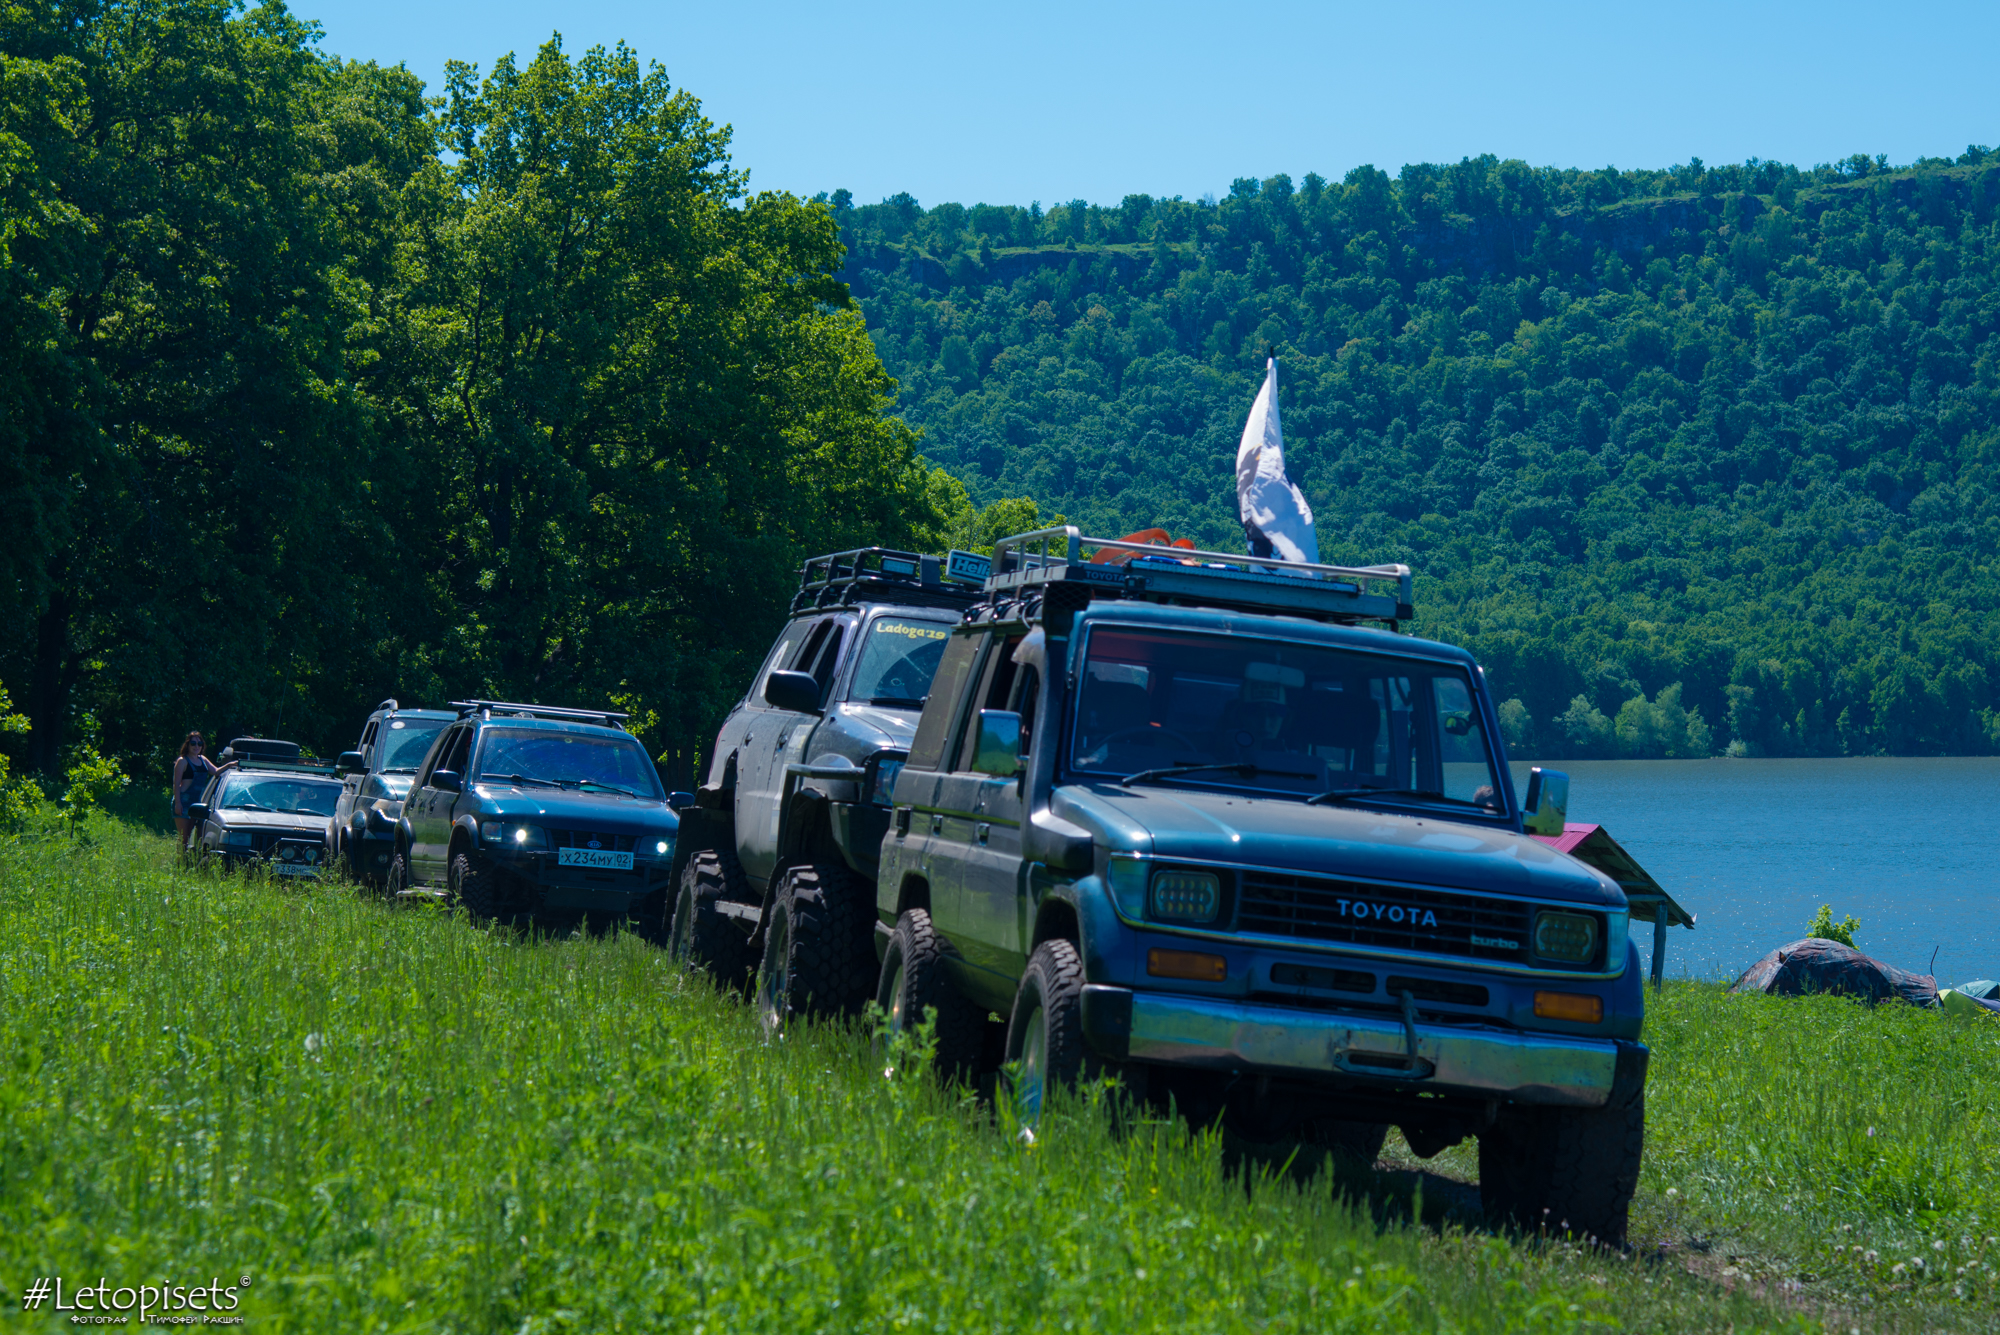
(794, 691)
(680, 801)
(197, 812)
(447, 781)
(1548, 801)
(350, 762)
(997, 749)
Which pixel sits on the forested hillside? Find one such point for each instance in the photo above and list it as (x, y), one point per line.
(1695, 460)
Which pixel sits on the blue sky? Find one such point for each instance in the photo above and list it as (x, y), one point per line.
(1028, 100)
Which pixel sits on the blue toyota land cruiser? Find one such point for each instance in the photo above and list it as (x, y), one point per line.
(1212, 824)
(521, 811)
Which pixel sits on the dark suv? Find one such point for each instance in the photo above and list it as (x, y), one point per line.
(375, 778)
(1192, 820)
(520, 810)
(780, 847)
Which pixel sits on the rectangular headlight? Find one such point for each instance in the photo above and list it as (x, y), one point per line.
(237, 838)
(1185, 896)
(1570, 938)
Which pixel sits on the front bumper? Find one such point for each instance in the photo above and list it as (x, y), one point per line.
(1218, 1034)
(585, 889)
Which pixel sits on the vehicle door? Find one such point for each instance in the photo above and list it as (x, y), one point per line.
(350, 786)
(978, 902)
(429, 809)
(777, 739)
(917, 821)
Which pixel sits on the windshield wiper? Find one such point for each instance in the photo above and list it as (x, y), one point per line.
(593, 783)
(908, 702)
(249, 806)
(1350, 794)
(523, 778)
(1241, 770)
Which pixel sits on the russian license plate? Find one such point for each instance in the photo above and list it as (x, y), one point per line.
(292, 869)
(603, 859)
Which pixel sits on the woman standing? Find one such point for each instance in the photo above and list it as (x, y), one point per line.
(191, 775)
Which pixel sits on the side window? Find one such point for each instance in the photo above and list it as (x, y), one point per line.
(433, 762)
(829, 658)
(941, 711)
(781, 654)
(810, 649)
(1026, 695)
(461, 748)
(996, 682)
(367, 736)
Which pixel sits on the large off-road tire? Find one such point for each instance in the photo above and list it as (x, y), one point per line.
(398, 879)
(479, 886)
(1045, 1032)
(699, 936)
(1565, 1170)
(912, 982)
(819, 948)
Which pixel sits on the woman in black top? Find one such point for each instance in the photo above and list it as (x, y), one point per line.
(191, 775)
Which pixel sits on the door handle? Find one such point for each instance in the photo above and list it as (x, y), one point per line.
(984, 830)
(937, 824)
(902, 820)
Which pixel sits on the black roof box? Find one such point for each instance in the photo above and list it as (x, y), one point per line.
(260, 748)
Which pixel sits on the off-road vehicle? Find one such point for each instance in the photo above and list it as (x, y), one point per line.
(1212, 824)
(375, 778)
(520, 811)
(267, 807)
(779, 847)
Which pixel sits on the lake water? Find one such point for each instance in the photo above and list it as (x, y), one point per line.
(1754, 847)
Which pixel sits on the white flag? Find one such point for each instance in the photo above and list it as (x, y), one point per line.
(1276, 519)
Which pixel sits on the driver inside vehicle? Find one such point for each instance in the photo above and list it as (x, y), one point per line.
(1259, 718)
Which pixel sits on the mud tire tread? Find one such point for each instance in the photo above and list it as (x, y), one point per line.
(918, 952)
(714, 944)
(1054, 978)
(832, 970)
(1566, 1170)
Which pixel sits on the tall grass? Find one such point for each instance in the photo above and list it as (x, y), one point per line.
(392, 1121)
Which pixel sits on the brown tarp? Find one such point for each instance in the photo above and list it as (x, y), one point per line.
(1815, 965)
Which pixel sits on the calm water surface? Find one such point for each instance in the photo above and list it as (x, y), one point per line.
(1754, 847)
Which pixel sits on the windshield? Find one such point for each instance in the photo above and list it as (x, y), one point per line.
(899, 655)
(1283, 717)
(405, 742)
(264, 792)
(591, 761)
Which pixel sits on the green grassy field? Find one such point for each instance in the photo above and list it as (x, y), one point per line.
(391, 1121)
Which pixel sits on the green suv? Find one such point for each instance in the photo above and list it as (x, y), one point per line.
(1211, 823)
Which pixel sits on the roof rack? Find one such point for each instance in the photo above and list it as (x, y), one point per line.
(505, 708)
(270, 754)
(883, 574)
(1036, 563)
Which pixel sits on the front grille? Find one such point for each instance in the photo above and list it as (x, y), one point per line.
(1332, 980)
(1434, 989)
(609, 843)
(263, 841)
(1429, 921)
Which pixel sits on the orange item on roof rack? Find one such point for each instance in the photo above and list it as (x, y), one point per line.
(1157, 537)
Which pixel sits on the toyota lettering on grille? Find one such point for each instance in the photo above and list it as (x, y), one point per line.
(1369, 911)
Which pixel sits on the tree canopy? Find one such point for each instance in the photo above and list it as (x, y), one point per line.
(311, 393)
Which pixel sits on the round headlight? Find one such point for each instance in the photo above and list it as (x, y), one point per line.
(661, 847)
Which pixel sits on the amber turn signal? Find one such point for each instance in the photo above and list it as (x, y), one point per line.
(1186, 964)
(1572, 1006)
